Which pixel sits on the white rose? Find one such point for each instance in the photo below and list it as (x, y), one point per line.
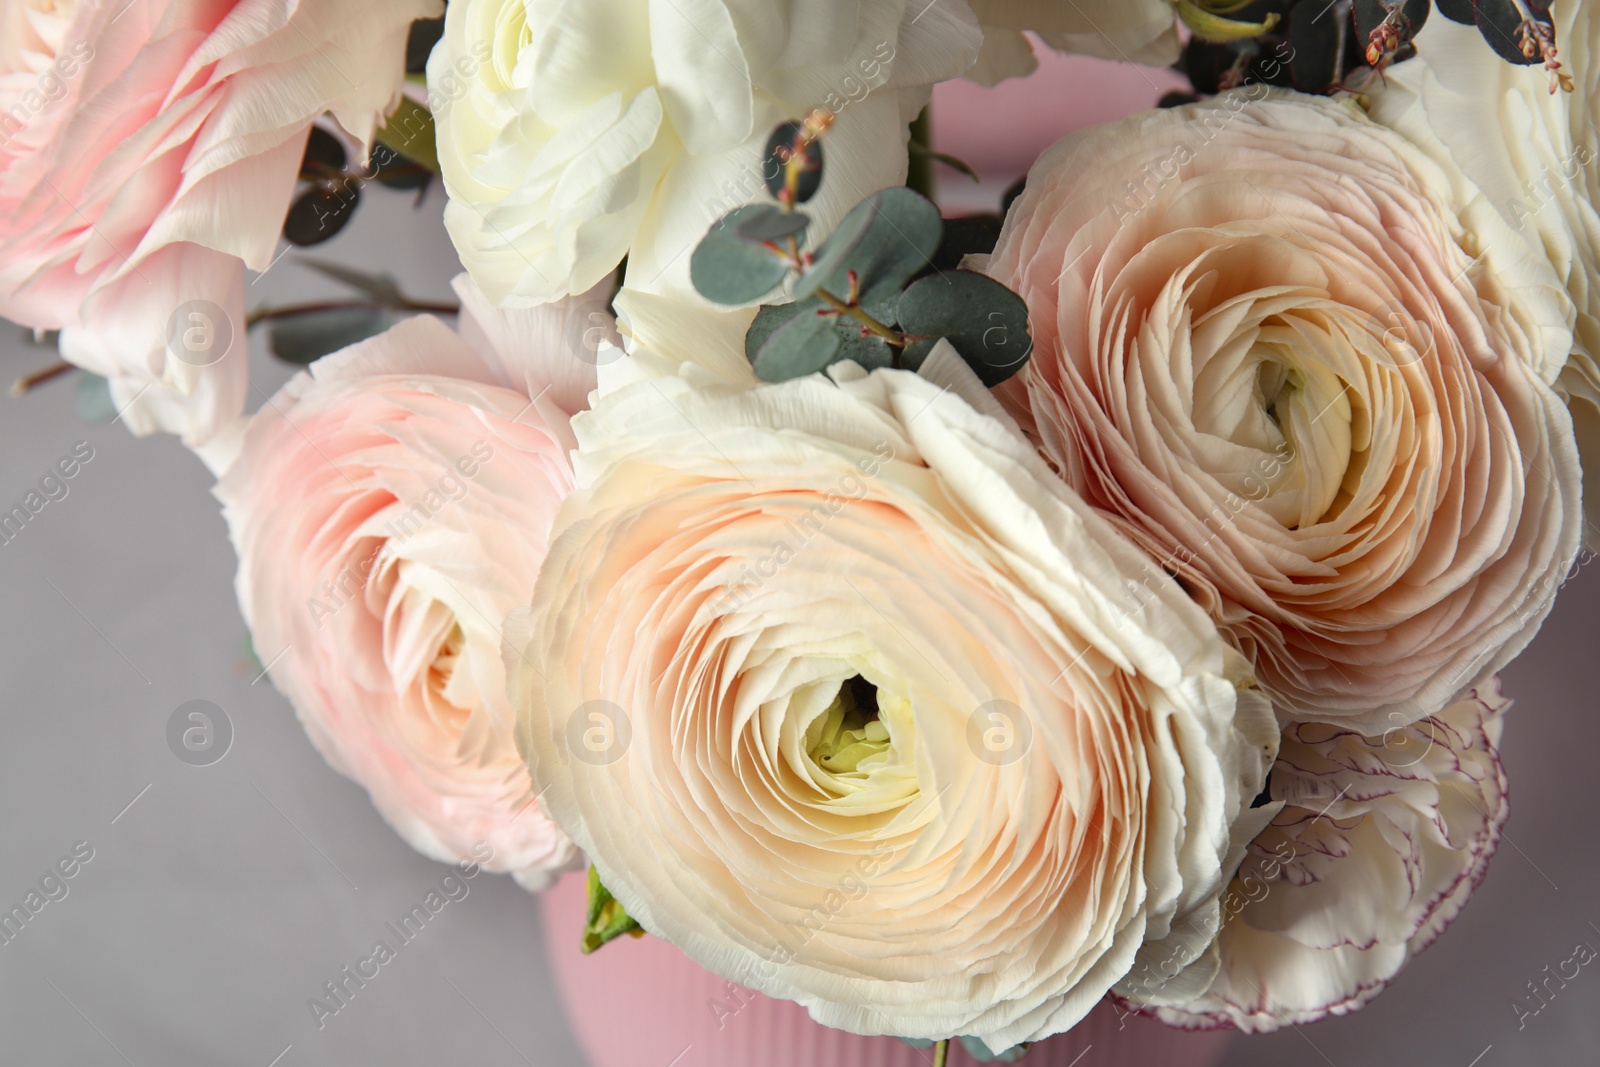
(1533, 156)
(572, 134)
(850, 698)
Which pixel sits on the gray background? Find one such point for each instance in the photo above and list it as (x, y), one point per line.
(225, 895)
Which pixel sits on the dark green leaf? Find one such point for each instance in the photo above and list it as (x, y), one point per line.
(324, 154)
(773, 166)
(425, 33)
(1316, 36)
(870, 351)
(886, 239)
(381, 287)
(307, 337)
(1457, 10)
(606, 919)
(728, 270)
(320, 213)
(985, 322)
(805, 344)
(968, 235)
(1500, 23)
(763, 222)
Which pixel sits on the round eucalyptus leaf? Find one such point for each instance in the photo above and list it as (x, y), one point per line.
(805, 344)
(1500, 23)
(1315, 38)
(985, 322)
(308, 337)
(871, 351)
(886, 239)
(320, 212)
(764, 222)
(728, 270)
(323, 149)
(779, 147)
(1457, 10)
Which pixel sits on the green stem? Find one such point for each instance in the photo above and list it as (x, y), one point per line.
(941, 1053)
(857, 312)
(919, 165)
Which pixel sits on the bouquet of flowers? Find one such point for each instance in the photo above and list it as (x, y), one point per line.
(944, 624)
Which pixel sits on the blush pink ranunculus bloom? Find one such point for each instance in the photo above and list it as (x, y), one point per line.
(148, 152)
(1268, 347)
(389, 507)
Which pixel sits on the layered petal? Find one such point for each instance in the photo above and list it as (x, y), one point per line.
(846, 695)
(1267, 347)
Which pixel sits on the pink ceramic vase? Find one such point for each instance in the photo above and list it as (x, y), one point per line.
(643, 1002)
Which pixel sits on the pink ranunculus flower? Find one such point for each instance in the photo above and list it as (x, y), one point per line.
(148, 152)
(389, 508)
(1268, 348)
(1379, 844)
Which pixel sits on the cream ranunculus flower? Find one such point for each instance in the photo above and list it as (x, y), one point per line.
(389, 508)
(148, 152)
(572, 134)
(1533, 156)
(1261, 347)
(1133, 31)
(1381, 841)
(849, 697)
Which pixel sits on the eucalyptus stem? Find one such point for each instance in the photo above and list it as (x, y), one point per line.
(941, 1053)
(261, 315)
(859, 313)
(39, 377)
(919, 165)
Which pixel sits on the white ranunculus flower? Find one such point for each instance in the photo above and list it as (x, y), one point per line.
(572, 134)
(853, 700)
(1133, 31)
(1533, 156)
(1380, 843)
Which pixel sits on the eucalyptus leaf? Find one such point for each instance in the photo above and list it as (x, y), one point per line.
(1500, 23)
(606, 919)
(886, 239)
(983, 1054)
(764, 222)
(871, 351)
(93, 401)
(308, 336)
(1457, 10)
(985, 322)
(381, 287)
(321, 212)
(323, 149)
(774, 168)
(728, 270)
(804, 345)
